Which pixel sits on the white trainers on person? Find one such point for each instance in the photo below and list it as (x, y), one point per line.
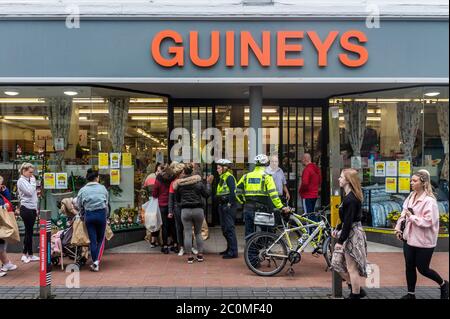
(181, 252)
(194, 251)
(33, 258)
(8, 267)
(25, 259)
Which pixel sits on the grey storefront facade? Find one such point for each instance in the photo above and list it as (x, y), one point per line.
(257, 72)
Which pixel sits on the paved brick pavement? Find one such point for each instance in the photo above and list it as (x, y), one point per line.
(7, 292)
(136, 270)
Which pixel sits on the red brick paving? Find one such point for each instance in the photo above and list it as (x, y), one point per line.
(133, 270)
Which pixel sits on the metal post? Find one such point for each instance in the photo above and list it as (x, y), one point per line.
(45, 265)
(335, 171)
(256, 102)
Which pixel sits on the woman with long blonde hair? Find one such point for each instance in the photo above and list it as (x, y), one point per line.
(418, 228)
(350, 252)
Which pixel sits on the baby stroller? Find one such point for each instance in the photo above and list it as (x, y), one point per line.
(61, 241)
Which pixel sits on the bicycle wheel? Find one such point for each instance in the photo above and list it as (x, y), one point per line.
(256, 254)
(326, 249)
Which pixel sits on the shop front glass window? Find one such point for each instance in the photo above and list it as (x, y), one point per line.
(388, 136)
(64, 131)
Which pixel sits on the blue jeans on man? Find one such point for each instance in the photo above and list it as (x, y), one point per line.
(308, 205)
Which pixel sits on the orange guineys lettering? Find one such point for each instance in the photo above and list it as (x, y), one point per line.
(229, 58)
(322, 47)
(263, 55)
(283, 48)
(194, 48)
(357, 49)
(176, 51)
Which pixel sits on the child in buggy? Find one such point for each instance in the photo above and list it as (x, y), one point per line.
(61, 241)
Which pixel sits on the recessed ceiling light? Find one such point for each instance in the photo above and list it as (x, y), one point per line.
(12, 92)
(70, 93)
(435, 93)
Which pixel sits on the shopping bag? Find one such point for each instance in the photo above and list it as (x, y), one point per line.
(80, 235)
(152, 217)
(108, 232)
(205, 230)
(142, 215)
(9, 231)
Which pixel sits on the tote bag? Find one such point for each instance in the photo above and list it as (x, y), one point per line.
(80, 235)
(9, 230)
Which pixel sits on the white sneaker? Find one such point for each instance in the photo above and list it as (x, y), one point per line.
(95, 267)
(25, 259)
(2, 274)
(181, 252)
(33, 258)
(194, 251)
(8, 267)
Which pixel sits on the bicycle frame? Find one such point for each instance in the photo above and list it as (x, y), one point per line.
(320, 226)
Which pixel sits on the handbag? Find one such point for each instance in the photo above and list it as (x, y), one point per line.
(9, 230)
(264, 219)
(80, 235)
(108, 232)
(205, 230)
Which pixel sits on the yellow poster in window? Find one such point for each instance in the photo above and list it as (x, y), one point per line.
(391, 184)
(61, 181)
(404, 168)
(115, 177)
(103, 160)
(404, 185)
(126, 160)
(49, 181)
(115, 160)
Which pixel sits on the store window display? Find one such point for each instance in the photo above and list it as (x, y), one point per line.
(64, 131)
(400, 132)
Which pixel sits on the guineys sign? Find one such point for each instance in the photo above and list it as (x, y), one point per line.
(286, 46)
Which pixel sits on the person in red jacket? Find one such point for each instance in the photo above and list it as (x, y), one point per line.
(309, 188)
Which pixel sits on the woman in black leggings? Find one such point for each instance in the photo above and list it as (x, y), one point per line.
(418, 227)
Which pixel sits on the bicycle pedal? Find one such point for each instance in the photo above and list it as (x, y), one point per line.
(290, 271)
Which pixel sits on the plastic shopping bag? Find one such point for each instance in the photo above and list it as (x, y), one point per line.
(153, 221)
(9, 231)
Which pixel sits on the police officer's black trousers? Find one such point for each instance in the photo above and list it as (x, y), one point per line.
(227, 217)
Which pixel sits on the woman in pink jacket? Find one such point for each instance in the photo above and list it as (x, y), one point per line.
(418, 227)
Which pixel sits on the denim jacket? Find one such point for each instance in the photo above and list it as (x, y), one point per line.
(92, 196)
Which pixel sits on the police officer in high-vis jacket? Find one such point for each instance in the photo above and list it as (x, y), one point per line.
(257, 191)
(226, 196)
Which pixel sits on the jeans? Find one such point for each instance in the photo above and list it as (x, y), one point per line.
(96, 226)
(418, 258)
(29, 218)
(309, 204)
(227, 217)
